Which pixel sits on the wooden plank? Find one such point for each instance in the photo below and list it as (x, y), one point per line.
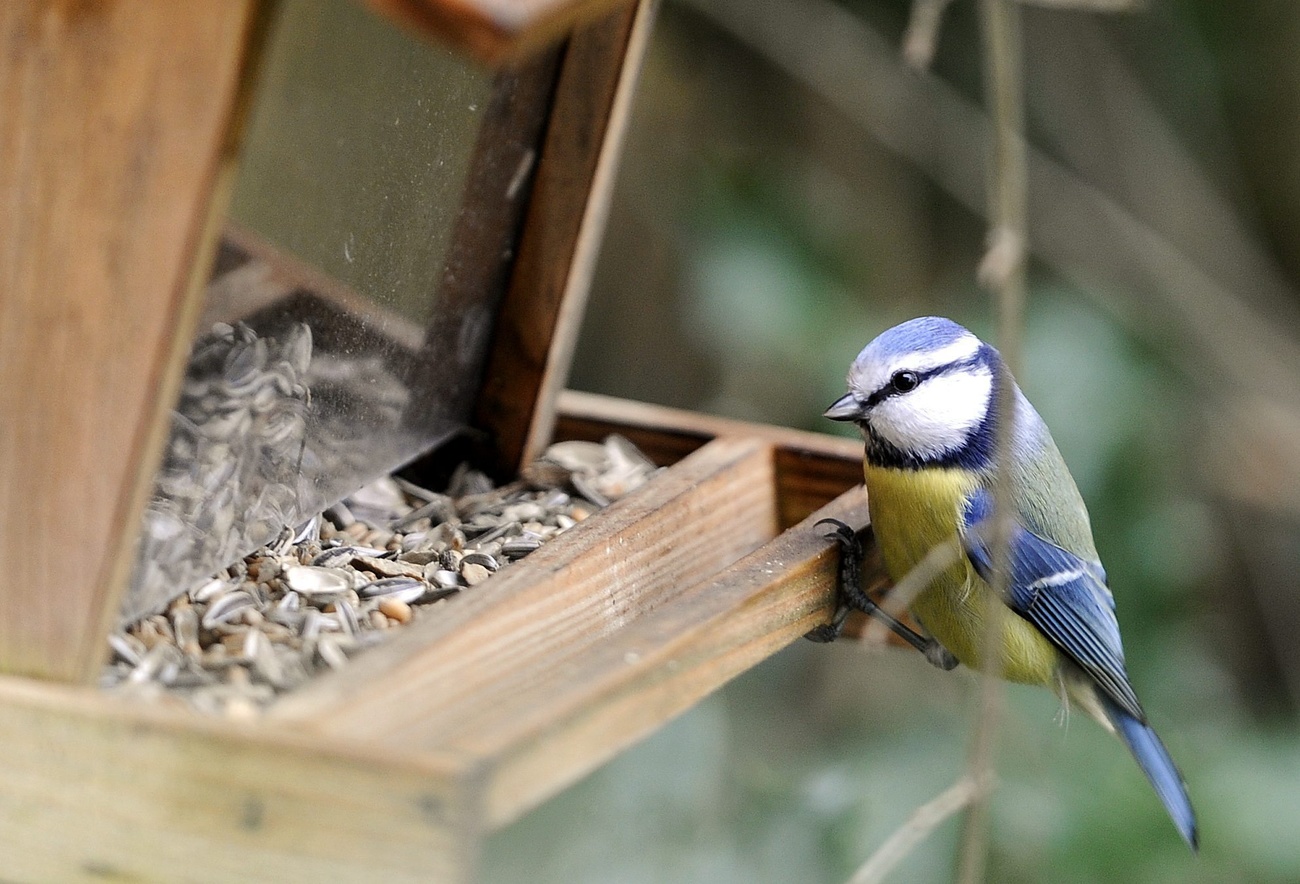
(97, 789)
(494, 30)
(114, 123)
(520, 630)
(538, 324)
(657, 667)
(598, 638)
(812, 468)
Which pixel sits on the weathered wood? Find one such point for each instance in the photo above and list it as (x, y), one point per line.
(811, 468)
(494, 30)
(114, 122)
(98, 789)
(658, 666)
(539, 319)
(599, 637)
(395, 767)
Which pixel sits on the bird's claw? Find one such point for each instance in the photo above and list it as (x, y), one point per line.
(849, 596)
(840, 531)
(827, 632)
(847, 579)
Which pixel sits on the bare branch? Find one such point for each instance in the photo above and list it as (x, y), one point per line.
(1090, 5)
(919, 826)
(901, 595)
(1003, 271)
(922, 34)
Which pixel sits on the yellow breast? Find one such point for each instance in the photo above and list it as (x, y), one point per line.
(913, 511)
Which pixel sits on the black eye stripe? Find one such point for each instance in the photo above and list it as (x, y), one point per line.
(889, 389)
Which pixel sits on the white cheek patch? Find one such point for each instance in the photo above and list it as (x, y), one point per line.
(937, 417)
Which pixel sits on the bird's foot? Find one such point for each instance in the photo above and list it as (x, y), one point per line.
(848, 581)
(851, 596)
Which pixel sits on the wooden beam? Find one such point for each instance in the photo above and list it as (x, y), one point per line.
(658, 667)
(540, 316)
(97, 789)
(115, 123)
(598, 638)
(397, 766)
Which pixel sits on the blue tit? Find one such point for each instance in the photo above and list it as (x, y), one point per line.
(923, 395)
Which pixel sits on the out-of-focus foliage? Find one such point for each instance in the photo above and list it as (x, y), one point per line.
(765, 238)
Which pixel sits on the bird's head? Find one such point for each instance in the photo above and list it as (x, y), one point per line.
(922, 393)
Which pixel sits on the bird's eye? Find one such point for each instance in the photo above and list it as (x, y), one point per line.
(905, 381)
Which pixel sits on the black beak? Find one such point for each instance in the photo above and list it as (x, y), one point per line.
(845, 408)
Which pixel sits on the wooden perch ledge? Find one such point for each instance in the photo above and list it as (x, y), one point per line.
(476, 714)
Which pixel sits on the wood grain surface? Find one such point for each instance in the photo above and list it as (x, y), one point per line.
(599, 637)
(115, 124)
(542, 311)
(98, 789)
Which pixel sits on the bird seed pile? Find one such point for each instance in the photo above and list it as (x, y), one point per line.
(343, 581)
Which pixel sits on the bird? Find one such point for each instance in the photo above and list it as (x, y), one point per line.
(925, 396)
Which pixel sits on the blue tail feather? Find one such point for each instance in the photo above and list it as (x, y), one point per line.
(1153, 758)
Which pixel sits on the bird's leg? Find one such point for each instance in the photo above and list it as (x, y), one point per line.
(848, 584)
(850, 595)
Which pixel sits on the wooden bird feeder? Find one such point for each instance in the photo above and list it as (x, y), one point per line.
(132, 216)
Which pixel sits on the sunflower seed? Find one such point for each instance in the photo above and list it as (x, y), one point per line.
(318, 583)
(406, 589)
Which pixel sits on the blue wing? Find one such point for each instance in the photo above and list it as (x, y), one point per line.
(1064, 596)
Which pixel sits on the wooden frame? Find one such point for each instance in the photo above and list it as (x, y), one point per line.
(100, 273)
(397, 767)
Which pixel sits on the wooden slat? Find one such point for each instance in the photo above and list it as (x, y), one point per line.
(811, 468)
(114, 119)
(599, 637)
(99, 790)
(538, 324)
(659, 666)
(494, 30)
(394, 768)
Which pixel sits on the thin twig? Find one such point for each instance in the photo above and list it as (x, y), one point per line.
(922, 34)
(1003, 272)
(1090, 5)
(900, 597)
(923, 821)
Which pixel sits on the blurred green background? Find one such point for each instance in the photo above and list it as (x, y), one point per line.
(789, 190)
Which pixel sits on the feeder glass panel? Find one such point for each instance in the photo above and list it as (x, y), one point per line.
(379, 176)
